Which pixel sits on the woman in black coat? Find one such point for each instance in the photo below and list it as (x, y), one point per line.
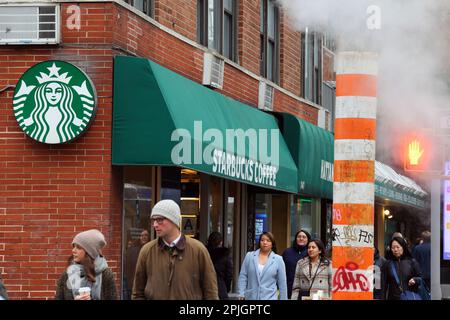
(407, 269)
(223, 264)
(292, 255)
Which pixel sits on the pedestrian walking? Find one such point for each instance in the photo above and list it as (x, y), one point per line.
(379, 263)
(313, 274)
(292, 255)
(87, 268)
(132, 255)
(401, 274)
(173, 266)
(223, 264)
(263, 272)
(422, 254)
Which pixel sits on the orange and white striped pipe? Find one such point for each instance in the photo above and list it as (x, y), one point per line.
(354, 173)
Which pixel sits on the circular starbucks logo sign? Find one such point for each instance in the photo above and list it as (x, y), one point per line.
(54, 102)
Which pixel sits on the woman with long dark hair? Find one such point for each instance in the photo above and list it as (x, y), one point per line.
(401, 272)
(87, 269)
(292, 255)
(263, 273)
(313, 273)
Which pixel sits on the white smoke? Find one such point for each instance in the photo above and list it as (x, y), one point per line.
(413, 43)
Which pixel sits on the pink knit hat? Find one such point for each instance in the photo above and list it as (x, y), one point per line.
(92, 241)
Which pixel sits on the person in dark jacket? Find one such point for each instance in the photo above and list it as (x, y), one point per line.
(223, 264)
(379, 263)
(422, 253)
(292, 255)
(407, 269)
(87, 268)
(131, 258)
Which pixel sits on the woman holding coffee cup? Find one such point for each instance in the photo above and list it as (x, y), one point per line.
(87, 276)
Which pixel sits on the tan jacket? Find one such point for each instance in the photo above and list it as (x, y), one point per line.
(185, 274)
(304, 278)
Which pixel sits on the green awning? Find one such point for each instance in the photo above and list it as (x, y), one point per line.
(312, 150)
(163, 118)
(398, 188)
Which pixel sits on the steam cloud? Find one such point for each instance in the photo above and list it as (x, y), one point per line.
(413, 43)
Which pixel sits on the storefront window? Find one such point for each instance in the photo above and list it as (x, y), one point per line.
(329, 224)
(231, 209)
(137, 204)
(171, 183)
(190, 203)
(295, 217)
(215, 205)
(301, 216)
(263, 216)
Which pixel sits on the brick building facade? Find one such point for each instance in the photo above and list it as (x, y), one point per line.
(48, 193)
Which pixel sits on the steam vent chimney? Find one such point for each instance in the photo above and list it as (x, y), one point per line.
(354, 173)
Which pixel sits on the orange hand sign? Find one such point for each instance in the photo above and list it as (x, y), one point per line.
(414, 153)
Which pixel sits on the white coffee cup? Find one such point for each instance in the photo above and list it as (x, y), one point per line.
(84, 290)
(320, 294)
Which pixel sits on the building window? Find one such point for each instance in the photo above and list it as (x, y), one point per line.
(138, 199)
(269, 35)
(328, 78)
(216, 25)
(146, 6)
(263, 215)
(312, 65)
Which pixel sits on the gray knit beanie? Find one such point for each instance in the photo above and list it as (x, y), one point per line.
(168, 209)
(92, 241)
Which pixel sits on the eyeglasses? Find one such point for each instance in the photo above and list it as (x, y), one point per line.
(157, 220)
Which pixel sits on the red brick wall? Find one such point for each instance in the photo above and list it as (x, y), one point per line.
(249, 35)
(156, 44)
(285, 103)
(240, 87)
(290, 52)
(50, 193)
(178, 15)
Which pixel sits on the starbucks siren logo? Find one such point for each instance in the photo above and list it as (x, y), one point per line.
(54, 102)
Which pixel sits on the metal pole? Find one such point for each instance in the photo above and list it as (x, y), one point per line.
(436, 292)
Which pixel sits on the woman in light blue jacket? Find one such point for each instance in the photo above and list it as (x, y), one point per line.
(263, 272)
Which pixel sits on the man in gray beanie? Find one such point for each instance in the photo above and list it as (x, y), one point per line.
(190, 273)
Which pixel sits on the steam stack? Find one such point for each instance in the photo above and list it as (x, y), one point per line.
(354, 173)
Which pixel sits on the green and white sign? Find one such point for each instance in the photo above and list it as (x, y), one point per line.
(54, 102)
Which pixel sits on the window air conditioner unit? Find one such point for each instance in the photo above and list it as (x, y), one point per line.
(213, 71)
(265, 99)
(321, 119)
(330, 122)
(29, 24)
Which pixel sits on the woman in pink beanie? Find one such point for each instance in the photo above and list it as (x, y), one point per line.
(88, 270)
